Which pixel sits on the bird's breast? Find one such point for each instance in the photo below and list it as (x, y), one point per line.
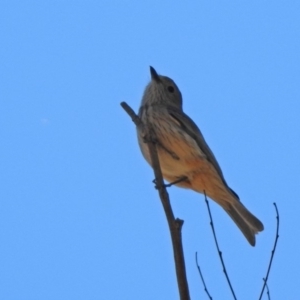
(178, 152)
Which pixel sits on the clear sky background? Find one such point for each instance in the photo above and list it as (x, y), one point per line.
(79, 217)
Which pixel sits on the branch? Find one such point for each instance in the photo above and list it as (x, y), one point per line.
(219, 251)
(135, 119)
(272, 253)
(202, 279)
(268, 291)
(174, 225)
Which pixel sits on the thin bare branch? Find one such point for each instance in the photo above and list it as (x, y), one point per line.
(268, 291)
(174, 225)
(135, 119)
(202, 278)
(272, 253)
(217, 245)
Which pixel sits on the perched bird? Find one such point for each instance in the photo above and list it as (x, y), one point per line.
(184, 154)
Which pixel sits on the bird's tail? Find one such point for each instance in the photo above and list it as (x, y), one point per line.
(248, 223)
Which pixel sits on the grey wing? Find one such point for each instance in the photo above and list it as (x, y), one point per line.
(188, 125)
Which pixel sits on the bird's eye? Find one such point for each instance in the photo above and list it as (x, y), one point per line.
(170, 89)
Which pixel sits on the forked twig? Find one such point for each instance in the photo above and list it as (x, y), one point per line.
(202, 279)
(219, 251)
(272, 253)
(268, 291)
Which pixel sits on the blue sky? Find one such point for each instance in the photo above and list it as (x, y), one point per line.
(79, 216)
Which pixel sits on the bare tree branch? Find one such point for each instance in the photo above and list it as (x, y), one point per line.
(268, 291)
(202, 279)
(135, 119)
(272, 253)
(174, 225)
(217, 245)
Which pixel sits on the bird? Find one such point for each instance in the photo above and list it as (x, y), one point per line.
(185, 158)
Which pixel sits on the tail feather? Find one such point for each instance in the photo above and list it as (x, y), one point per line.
(248, 223)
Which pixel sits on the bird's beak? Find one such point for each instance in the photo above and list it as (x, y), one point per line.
(154, 75)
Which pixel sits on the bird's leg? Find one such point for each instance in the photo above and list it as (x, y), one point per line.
(183, 178)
